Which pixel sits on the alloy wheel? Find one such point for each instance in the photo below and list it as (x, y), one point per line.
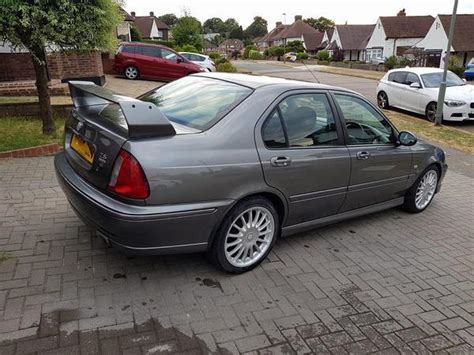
(249, 237)
(431, 112)
(382, 100)
(131, 72)
(426, 189)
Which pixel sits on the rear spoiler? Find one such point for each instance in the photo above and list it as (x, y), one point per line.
(144, 119)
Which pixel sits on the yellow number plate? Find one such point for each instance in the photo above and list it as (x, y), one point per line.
(82, 148)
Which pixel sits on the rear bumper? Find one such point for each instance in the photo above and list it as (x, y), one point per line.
(141, 229)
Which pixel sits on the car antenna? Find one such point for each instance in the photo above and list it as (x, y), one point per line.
(312, 73)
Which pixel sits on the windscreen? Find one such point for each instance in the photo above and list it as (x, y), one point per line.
(197, 102)
(433, 80)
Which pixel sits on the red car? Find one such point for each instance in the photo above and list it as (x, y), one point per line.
(152, 61)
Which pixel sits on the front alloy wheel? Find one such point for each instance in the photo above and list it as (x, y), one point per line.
(246, 235)
(431, 111)
(426, 189)
(420, 195)
(382, 100)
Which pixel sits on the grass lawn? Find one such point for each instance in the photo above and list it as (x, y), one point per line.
(16, 133)
(446, 135)
(55, 100)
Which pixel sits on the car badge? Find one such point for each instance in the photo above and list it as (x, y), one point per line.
(79, 126)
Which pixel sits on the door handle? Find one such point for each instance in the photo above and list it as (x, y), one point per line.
(363, 155)
(280, 161)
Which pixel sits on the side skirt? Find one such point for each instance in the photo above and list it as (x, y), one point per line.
(301, 227)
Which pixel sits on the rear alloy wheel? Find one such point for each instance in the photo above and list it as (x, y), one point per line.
(422, 192)
(131, 72)
(246, 235)
(382, 100)
(430, 112)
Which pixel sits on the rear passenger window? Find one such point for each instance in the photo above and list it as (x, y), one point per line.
(149, 51)
(412, 78)
(398, 77)
(127, 49)
(306, 120)
(273, 134)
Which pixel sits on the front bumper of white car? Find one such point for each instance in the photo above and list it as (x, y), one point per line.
(461, 113)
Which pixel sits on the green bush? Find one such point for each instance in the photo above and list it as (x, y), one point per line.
(323, 55)
(214, 56)
(276, 51)
(302, 56)
(189, 48)
(454, 65)
(226, 68)
(403, 62)
(221, 60)
(250, 47)
(255, 55)
(390, 62)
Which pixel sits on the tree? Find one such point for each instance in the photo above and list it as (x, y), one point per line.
(188, 31)
(169, 19)
(257, 28)
(321, 23)
(295, 46)
(247, 50)
(135, 34)
(40, 26)
(214, 25)
(231, 24)
(237, 33)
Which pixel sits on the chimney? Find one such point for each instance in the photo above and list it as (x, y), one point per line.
(152, 14)
(298, 17)
(278, 23)
(402, 13)
(132, 13)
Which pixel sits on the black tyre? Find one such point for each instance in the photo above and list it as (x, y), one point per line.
(430, 111)
(420, 195)
(382, 100)
(246, 235)
(131, 72)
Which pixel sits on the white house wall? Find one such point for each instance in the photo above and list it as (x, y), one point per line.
(436, 38)
(154, 31)
(335, 37)
(378, 36)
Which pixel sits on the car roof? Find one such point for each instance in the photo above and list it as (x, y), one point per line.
(418, 70)
(258, 81)
(145, 44)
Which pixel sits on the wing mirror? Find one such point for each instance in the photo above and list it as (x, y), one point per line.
(179, 60)
(406, 138)
(415, 85)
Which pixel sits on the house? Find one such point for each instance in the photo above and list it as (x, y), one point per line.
(123, 29)
(393, 35)
(327, 37)
(312, 42)
(436, 40)
(150, 27)
(230, 46)
(295, 32)
(351, 40)
(268, 40)
(208, 46)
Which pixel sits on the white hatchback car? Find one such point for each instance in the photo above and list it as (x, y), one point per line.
(200, 59)
(416, 90)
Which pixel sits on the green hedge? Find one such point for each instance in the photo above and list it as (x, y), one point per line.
(226, 68)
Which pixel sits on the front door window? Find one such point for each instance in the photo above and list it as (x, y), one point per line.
(364, 124)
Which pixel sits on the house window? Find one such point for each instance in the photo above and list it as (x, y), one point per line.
(160, 34)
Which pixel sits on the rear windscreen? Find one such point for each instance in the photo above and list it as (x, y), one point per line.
(197, 102)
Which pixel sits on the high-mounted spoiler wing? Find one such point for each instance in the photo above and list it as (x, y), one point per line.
(144, 119)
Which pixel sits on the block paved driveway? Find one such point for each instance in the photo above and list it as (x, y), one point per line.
(387, 283)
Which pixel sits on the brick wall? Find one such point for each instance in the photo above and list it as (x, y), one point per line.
(19, 66)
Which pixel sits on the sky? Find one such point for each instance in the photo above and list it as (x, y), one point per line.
(354, 12)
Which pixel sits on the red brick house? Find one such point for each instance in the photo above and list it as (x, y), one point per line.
(230, 46)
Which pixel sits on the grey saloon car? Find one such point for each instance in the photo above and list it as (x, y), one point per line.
(228, 163)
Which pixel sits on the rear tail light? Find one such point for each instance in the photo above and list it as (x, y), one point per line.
(128, 178)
